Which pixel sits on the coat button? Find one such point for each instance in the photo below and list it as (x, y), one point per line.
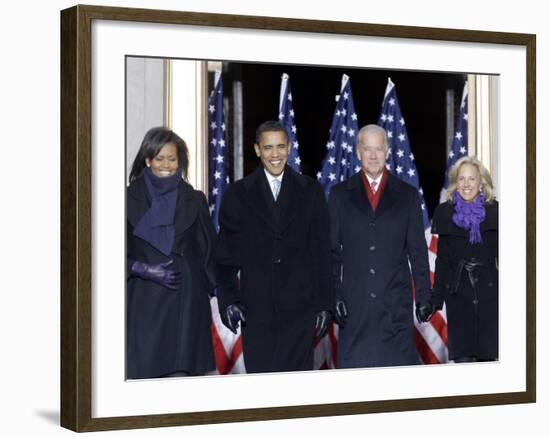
(475, 301)
(373, 295)
(372, 271)
(372, 224)
(490, 284)
(372, 248)
(277, 261)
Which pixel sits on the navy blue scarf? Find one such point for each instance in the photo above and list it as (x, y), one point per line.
(157, 224)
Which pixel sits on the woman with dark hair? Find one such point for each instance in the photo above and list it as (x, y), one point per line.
(170, 239)
(466, 269)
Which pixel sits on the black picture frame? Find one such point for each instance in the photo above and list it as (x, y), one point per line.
(76, 217)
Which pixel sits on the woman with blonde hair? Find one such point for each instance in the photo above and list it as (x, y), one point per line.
(466, 270)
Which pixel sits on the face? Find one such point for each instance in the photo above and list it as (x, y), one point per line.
(468, 182)
(166, 162)
(372, 153)
(273, 151)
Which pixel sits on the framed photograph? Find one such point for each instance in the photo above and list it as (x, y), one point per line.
(100, 46)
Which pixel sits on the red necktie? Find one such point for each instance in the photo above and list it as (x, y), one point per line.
(373, 185)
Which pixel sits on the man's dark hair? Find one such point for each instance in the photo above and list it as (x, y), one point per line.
(270, 126)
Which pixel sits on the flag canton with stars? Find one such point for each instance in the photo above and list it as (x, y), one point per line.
(459, 147)
(218, 176)
(286, 117)
(400, 160)
(341, 161)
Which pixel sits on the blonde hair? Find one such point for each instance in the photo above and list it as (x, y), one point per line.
(486, 180)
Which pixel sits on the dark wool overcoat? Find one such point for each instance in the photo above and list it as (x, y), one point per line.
(169, 330)
(472, 312)
(282, 251)
(371, 255)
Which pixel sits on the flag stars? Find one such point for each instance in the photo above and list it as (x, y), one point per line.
(319, 175)
(465, 117)
(221, 142)
(411, 156)
(344, 145)
(354, 116)
(411, 172)
(344, 112)
(213, 125)
(458, 135)
(346, 95)
(289, 97)
(223, 127)
(291, 113)
(332, 177)
(390, 134)
(400, 153)
(451, 154)
(281, 115)
(390, 118)
(295, 144)
(391, 101)
(217, 175)
(383, 117)
(330, 145)
(331, 160)
(388, 166)
(215, 191)
(211, 109)
(297, 160)
(293, 129)
(462, 150)
(214, 141)
(344, 129)
(344, 162)
(398, 169)
(212, 208)
(351, 132)
(227, 179)
(401, 137)
(219, 159)
(357, 168)
(402, 121)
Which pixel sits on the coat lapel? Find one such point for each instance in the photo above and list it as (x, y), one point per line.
(358, 196)
(289, 198)
(257, 193)
(186, 208)
(387, 198)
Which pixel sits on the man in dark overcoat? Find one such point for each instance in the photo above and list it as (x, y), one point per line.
(274, 259)
(377, 241)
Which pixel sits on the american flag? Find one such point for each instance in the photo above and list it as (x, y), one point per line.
(286, 117)
(339, 164)
(227, 346)
(431, 337)
(341, 161)
(459, 147)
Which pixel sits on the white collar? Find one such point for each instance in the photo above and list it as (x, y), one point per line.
(271, 178)
(378, 179)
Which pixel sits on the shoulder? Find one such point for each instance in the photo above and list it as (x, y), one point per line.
(400, 186)
(442, 218)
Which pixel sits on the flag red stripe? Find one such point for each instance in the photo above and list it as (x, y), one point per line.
(223, 364)
(440, 325)
(425, 351)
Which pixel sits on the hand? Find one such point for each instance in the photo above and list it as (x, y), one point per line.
(157, 273)
(424, 312)
(322, 320)
(341, 313)
(231, 315)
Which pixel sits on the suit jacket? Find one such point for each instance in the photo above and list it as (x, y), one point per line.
(282, 252)
(169, 330)
(473, 328)
(371, 256)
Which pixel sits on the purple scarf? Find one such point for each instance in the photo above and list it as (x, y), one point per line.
(469, 215)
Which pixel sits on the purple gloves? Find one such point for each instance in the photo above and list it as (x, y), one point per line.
(157, 273)
(231, 315)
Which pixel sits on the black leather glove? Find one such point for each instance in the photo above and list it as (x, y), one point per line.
(424, 312)
(322, 320)
(231, 315)
(341, 313)
(157, 273)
